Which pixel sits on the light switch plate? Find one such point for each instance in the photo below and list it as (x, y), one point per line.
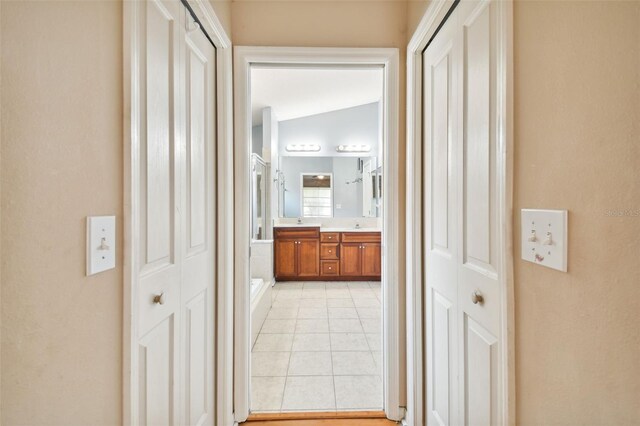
(101, 244)
(544, 237)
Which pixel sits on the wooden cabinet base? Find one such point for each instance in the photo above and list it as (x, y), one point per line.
(310, 255)
(327, 278)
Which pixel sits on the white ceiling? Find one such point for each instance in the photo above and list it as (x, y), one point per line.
(300, 92)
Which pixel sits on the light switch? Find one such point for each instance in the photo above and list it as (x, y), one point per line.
(544, 237)
(101, 244)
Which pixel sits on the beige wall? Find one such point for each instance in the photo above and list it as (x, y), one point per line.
(222, 9)
(332, 24)
(61, 160)
(415, 12)
(577, 137)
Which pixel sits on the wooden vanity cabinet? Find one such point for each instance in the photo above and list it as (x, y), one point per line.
(308, 254)
(360, 255)
(297, 253)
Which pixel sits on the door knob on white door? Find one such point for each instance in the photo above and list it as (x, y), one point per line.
(476, 297)
(158, 299)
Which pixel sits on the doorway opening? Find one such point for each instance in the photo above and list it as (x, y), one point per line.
(316, 197)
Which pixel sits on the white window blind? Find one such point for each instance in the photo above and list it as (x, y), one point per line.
(316, 202)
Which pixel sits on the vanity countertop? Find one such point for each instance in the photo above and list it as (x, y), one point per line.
(297, 225)
(352, 229)
(326, 229)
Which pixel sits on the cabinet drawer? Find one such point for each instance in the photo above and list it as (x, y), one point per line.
(330, 237)
(361, 237)
(291, 233)
(330, 267)
(329, 251)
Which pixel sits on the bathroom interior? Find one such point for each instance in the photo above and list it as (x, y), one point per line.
(316, 216)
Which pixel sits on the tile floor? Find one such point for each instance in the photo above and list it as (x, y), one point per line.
(319, 349)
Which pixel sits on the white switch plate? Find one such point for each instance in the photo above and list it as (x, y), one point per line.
(541, 222)
(101, 243)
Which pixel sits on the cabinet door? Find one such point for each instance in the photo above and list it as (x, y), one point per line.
(308, 258)
(350, 263)
(371, 262)
(285, 258)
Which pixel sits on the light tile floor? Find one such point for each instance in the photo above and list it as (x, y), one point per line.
(319, 349)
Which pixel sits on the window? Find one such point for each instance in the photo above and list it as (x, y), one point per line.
(317, 195)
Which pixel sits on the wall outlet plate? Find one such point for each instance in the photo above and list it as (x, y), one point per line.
(545, 237)
(101, 244)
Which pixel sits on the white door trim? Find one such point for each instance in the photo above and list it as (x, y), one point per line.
(428, 26)
(224, 166)
(387, 58)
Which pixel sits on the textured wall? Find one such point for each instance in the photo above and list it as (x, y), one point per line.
(61, 160)
(577, 127)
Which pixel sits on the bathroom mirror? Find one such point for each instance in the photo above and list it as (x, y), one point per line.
(343, 187)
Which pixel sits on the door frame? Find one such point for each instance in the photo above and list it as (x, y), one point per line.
(222, 362)
(434, 16)
(388, 60)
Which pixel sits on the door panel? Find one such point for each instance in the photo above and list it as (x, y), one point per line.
(440, 121)
(371, 259)
(198, 182)
(441, 362)
(158, 375)
(175, 222)
(308, 258)
(159, 191)
(350, 262)
(285, 258)
(198, 391)
(461, 156)
(480, 378)
(477, 270)
(199, 73)
(479, 147)
(158, 147)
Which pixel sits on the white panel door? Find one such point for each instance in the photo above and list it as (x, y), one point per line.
(174, 227)
(441, 235)
(199, 227)
(159, 190)
(478, 217)
(463, 295)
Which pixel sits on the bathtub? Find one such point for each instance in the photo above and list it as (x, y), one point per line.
(260, 305)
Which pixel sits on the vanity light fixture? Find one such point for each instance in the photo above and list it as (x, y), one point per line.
(353, 148)
(306, 147)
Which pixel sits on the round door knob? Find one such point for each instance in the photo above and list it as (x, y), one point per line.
(330, 268)
(329, 251)
(158, 299)
(476, 297)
